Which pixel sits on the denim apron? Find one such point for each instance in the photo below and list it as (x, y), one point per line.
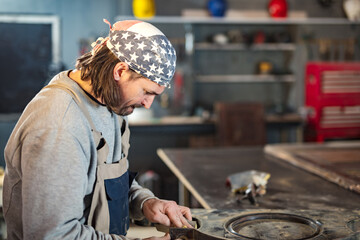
(109, 209)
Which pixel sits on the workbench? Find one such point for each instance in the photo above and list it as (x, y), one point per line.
(202, 173)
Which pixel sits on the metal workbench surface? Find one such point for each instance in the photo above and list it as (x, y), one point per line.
(204, 171)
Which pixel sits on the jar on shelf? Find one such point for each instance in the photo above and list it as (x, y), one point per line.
(352, 9)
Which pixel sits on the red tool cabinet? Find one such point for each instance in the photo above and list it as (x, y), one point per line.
(332, 97)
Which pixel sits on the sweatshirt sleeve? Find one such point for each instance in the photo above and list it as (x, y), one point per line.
(54, 170)
(137, 196)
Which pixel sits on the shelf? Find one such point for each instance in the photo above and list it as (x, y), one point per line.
(169, 120)
(255, 78)
(242, 20)
(241, 46)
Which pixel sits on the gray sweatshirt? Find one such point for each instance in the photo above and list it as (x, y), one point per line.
(51, 167)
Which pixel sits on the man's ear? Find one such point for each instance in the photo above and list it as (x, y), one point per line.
(119, 69)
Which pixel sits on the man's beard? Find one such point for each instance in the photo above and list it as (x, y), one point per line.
(123, 109)
(120, 107)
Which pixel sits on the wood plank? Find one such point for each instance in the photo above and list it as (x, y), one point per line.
(182, 178)
(337, 162)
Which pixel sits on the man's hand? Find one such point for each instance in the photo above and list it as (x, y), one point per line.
(167, 213)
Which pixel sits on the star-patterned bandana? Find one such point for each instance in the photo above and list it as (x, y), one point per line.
(144, 48)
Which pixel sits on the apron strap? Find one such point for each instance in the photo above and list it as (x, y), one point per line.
(125, 143)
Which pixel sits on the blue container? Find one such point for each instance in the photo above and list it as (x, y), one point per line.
(217, 8)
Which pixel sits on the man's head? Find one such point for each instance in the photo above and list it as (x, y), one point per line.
(130, 67)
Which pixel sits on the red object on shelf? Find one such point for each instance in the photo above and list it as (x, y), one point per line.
(332, 97)
(278, 8)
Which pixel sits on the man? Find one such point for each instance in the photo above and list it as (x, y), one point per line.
(66, 160)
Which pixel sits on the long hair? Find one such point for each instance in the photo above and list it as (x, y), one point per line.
(98, 68)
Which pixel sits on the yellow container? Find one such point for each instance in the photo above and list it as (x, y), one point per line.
(144, 8)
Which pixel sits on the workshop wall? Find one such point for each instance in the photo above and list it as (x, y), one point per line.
(80, 19)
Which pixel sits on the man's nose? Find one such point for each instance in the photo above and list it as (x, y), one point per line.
(148, 100)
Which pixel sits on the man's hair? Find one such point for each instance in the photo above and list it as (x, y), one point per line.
(99, 69)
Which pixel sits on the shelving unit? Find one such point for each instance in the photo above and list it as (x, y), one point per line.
(225, 20)
(259, 78)
(200, 76)
(230, 71)
(241, 46)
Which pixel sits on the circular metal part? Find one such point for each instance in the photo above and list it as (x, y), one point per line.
(273, 226)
